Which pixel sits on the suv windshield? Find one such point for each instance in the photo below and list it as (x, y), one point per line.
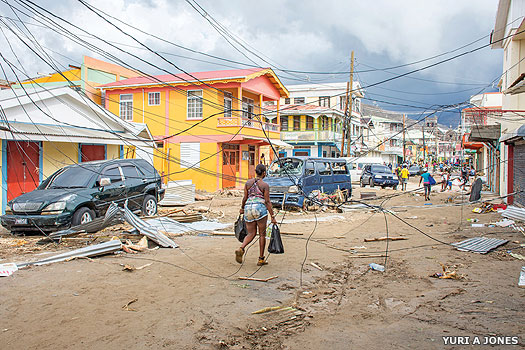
(74, 177)
(286, 166)
(380, 169)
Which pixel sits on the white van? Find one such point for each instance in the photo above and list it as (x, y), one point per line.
(356, 165)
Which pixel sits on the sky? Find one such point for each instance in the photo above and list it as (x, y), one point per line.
(306, 36)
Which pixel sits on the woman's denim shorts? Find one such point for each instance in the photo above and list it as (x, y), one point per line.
(254, 211)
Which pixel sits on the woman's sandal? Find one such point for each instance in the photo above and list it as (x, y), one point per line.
(261, 261)
(239, 253)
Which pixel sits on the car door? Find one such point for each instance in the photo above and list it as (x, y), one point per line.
(135, 182)
(114, 192)
(310, 179)
(325, 176)
(365, 175)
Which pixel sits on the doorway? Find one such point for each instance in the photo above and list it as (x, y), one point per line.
(23, 163)
(230, 165)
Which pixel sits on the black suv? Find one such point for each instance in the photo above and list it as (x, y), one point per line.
(378, 175)
(78, 193)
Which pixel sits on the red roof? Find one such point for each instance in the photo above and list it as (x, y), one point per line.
(192, 77)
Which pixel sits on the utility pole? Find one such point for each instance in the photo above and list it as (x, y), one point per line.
(424, 146)
(349, 103)
(404, 144)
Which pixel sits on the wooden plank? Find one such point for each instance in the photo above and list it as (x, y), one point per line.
(384, 239)
(258, 279)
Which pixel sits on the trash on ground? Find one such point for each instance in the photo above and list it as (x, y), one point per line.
(447, 274)
(478, 225)
(365, 195)
(127, 308)
(316, 266)
(385, 239)
(480, 245)
(505, 223)
(376, 267)
(472, 220)
(7, 269)
(517, 256)
(521, 282)
(145, 229)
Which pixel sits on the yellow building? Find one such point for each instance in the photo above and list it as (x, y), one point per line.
(208, 125)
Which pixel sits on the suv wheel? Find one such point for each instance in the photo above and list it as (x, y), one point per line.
(371, 182)
(149, 206)
(82, 216)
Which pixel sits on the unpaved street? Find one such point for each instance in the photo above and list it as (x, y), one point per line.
(190, 298)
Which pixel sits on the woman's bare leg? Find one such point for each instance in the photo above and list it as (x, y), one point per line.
(261, 224)
(252, 231)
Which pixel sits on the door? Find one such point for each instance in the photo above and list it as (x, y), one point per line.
(310, 180)
(326, 182)
(89, 153)
(114, 192)
(23, 163)
(251, 161)
(230, 165)
(519, 177)
(365, 176)
(136, 183)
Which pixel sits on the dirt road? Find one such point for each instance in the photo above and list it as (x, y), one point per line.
(190, 298)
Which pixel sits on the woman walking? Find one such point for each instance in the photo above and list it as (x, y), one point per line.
(255, 206)
(425, 177)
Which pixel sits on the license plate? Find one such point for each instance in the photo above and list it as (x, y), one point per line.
(21, 221)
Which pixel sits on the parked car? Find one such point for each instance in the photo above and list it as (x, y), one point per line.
(356, 165)
(381, 175)
(76, 194)
(414, 170)
(295, 179)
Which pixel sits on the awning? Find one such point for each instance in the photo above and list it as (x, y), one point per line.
(281, 144)
(62, 133)
(485, 133)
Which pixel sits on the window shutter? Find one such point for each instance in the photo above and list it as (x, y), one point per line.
(190, 155)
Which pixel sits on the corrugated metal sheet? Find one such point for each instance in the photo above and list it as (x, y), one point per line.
(179, 193)
(92, 250)
(112, 217)
(519, 179)
(480, 245)
(514, 213)
(146, 230)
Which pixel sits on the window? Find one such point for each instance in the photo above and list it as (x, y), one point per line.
(309, 122)
(284, 123)
(342, 102)
(227, 104)
(113, 174)
(247, 108)
(296, 122)
(324, 101)
(299, 100)
(195, 104)
(153, 98)
(339, 167)
(287, 101)
(130, 172)
(309, 168)
(190, 155)
(126, 107)
(323, 168)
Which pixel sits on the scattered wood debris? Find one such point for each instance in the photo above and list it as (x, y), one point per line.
(127, 308)
(385, 239)
(258, 279)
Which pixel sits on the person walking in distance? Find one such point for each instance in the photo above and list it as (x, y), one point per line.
(425, 177)
(404, 177)
(255, 206)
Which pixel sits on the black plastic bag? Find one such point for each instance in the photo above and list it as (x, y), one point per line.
(276, 244)
(240, 228)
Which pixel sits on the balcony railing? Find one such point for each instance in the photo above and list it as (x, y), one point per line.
(247, 123)
(311, 135)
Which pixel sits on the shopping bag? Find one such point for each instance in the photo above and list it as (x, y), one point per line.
(276, 245)
(431, 181)
(240, 228)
